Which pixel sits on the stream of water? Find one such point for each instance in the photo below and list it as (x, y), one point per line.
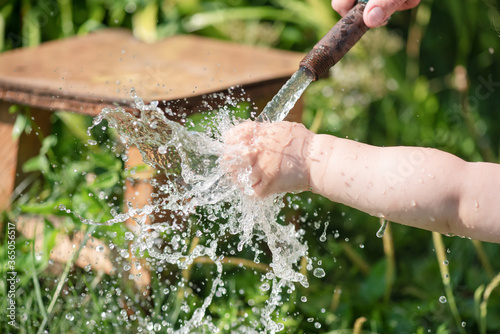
(281, 104)
(199, 199)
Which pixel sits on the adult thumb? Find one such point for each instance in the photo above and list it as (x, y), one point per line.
(378, 11)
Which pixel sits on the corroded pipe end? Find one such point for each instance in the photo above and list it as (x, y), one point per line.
(335, 44)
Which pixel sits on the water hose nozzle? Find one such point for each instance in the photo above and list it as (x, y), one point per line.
(335, 44)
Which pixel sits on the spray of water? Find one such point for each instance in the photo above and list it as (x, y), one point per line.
(197, 196)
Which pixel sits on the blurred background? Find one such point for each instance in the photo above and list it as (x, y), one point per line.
(430, 78)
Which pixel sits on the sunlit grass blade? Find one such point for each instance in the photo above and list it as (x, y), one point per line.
(478, 295)
(205, 19)
(483, 257)
(484, 304)
(64, 275)
(445, 276)
(34, 276)
(358, 325)
(390, 270)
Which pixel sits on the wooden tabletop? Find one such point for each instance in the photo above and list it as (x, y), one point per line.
(86, 73)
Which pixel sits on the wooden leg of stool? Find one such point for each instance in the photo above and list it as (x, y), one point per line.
(138, 192)
(8, 152)
(15, 152)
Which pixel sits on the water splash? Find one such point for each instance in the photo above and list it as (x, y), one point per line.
(194, 184)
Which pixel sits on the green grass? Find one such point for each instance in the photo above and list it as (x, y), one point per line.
(400, 86)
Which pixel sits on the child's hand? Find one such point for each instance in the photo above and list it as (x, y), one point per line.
(269, 157)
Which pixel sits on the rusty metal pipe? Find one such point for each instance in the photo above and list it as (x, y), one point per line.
(335, 44)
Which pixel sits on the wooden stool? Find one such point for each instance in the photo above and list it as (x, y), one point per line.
(86, 74)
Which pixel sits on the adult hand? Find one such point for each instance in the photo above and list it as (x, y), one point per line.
(377, 11)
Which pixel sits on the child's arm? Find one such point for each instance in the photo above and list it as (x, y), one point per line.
(421, 187)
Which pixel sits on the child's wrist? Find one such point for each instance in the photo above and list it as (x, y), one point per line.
(296, 169)
(320, 150)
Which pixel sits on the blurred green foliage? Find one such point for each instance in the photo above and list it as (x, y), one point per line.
(430, 78)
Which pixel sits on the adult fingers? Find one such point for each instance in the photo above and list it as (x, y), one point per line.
(378, 11)
(342, 6)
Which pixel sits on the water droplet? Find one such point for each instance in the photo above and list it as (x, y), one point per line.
(322, 238)
(319, 272)
(317, 325)
(124, 253)
(162, 149)
(303, 299)
(413, 203)
(92, 142)
(270, 275)
(265, 287)
(138, 265)
(87, 268)
(70, 317)
(464, 324)
(129, 236)
(445, 262)
(442, 299)
(381, 230)
(100, 248)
